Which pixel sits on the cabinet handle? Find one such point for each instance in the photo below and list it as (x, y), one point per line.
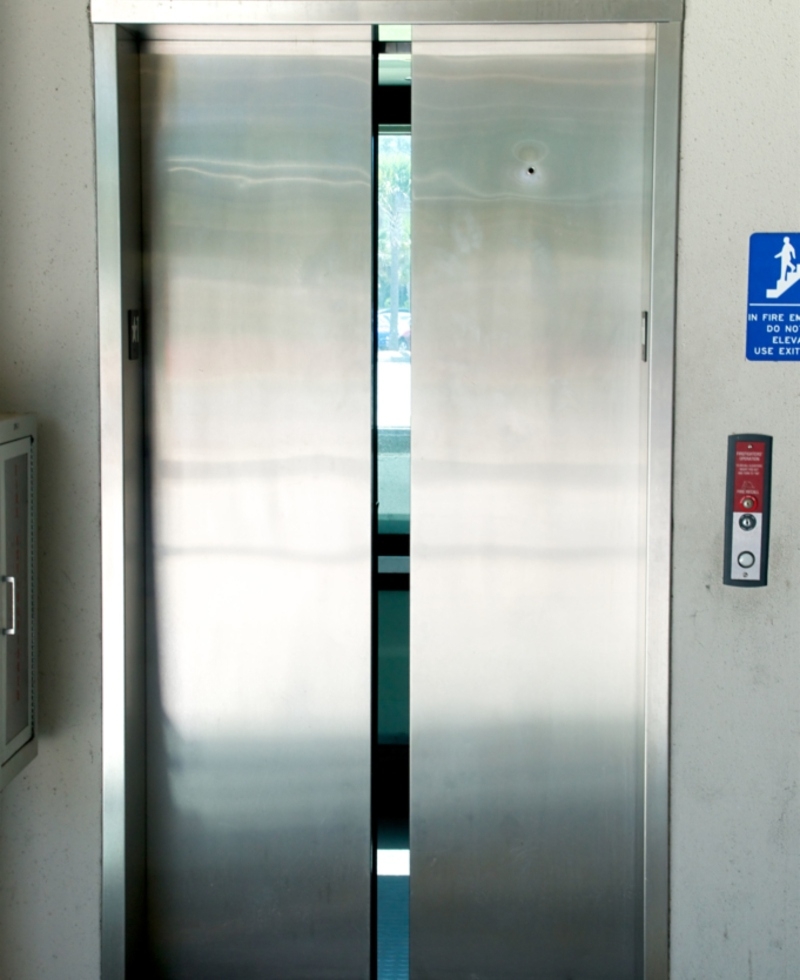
(12, 629)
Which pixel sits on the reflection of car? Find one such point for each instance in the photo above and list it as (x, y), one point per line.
(403, 329)
(404, 338)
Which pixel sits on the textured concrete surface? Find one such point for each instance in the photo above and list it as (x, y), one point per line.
(735, 678)
(50, 815)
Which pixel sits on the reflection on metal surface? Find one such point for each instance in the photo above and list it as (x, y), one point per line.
(117, 119)
(11, 629)
(257, 182)
(659, 498)
(528, 491)
(380, 11)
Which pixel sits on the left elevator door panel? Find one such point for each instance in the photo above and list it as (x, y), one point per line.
(257, 217)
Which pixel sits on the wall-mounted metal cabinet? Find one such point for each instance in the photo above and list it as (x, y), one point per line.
(18, 734)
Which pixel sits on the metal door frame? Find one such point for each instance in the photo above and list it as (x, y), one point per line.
(117, 25)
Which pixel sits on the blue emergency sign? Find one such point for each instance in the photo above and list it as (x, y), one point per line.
(773, 297)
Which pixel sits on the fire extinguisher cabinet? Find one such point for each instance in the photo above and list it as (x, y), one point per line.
(18, 723)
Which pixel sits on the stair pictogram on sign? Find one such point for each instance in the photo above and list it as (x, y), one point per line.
(789, 271)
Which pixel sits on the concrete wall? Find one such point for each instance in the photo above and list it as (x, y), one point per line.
(736, 687)
(735, 677)
(50, 815)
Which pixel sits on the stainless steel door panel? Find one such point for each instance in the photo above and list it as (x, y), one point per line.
(258, 204)
(528, 462)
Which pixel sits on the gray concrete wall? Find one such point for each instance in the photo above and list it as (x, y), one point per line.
(736, 686)
(735, 677)
(50, 815)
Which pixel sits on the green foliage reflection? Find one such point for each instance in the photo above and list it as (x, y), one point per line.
(394, 227)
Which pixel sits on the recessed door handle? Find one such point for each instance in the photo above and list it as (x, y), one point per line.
(12, 629)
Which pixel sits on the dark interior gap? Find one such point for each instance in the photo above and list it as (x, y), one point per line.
(390, 786)
(394, 105)
(375, 762)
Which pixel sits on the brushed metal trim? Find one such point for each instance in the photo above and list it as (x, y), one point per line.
(472, 49)
(298, 33)
(659, 478)
(109, 260)
(380, 11)
(485, 33)
(12, 581)
(272, 49)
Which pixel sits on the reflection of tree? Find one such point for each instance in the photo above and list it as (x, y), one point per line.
(394, 227)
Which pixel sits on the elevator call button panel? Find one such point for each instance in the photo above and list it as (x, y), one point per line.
(747, 510)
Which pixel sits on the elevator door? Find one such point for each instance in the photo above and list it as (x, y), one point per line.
(257, 159)
(531, 180)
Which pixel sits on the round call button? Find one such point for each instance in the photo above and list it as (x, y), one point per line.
(746, 559)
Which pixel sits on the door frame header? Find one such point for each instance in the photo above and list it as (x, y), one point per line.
(383, 11)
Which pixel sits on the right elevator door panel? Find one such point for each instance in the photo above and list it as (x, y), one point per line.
(531, 179)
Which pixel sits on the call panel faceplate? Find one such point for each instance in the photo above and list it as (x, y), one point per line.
(747, 510)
